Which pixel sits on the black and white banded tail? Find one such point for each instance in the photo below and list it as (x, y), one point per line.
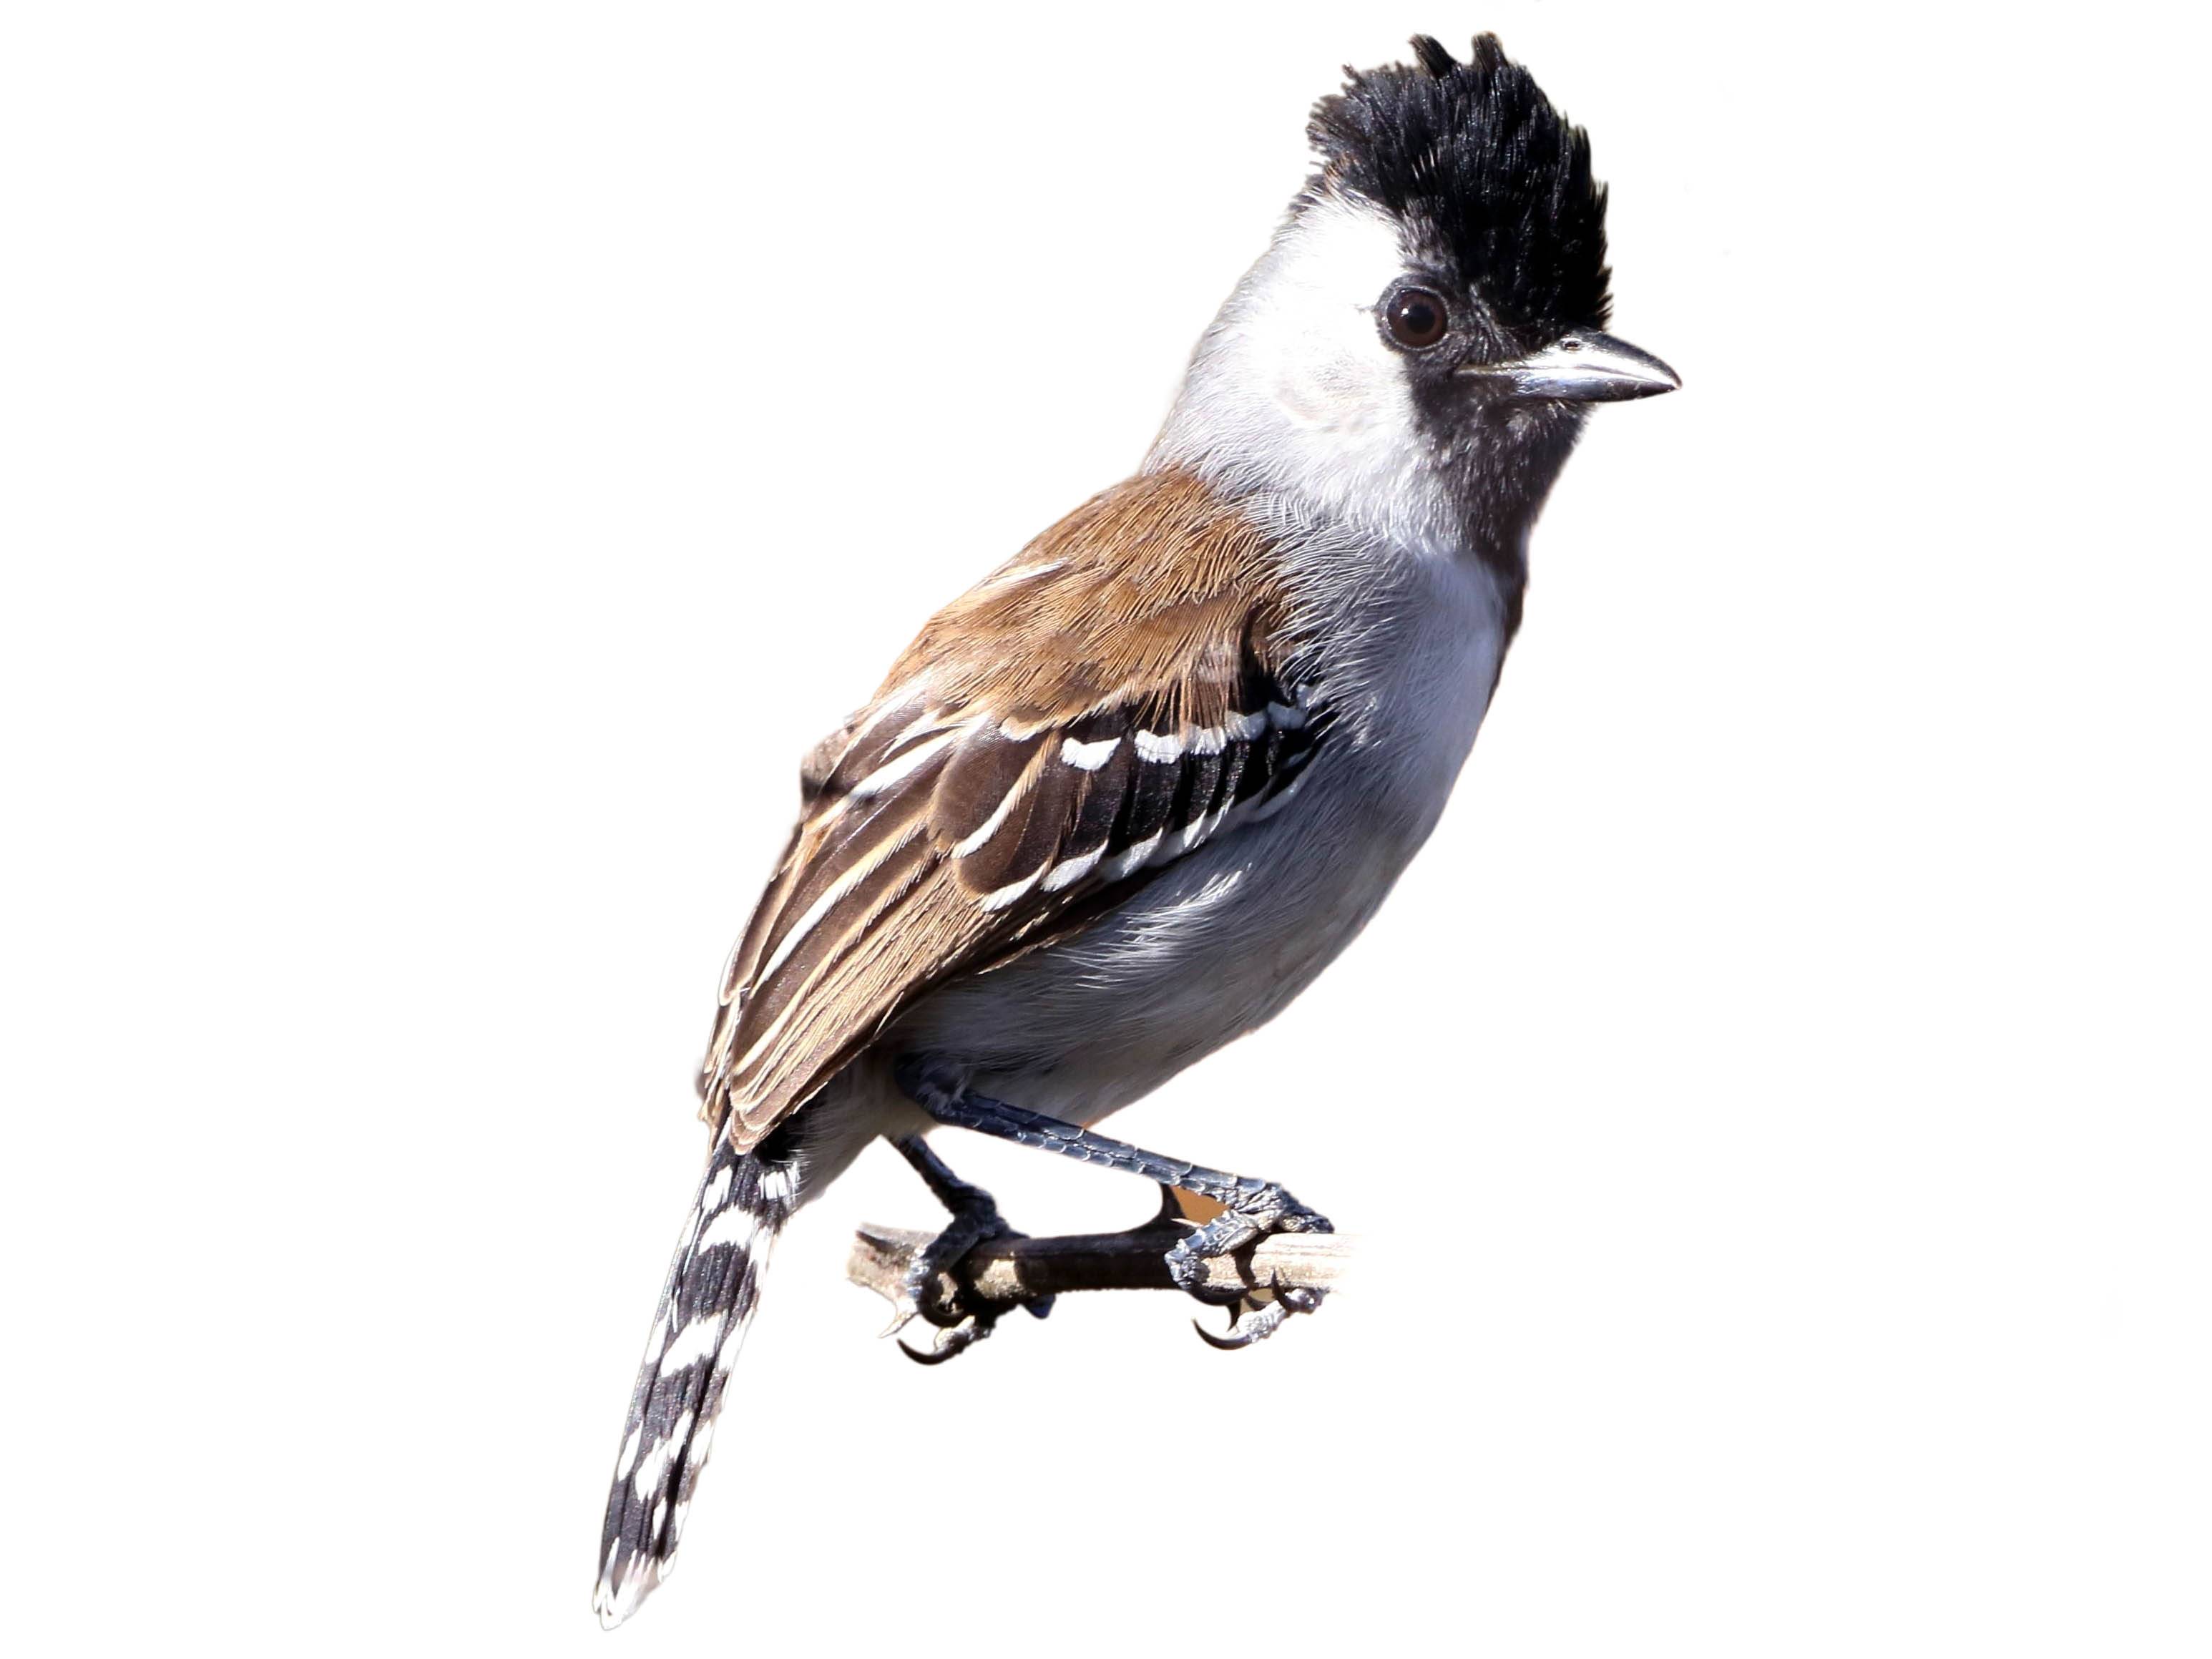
(713, 1285)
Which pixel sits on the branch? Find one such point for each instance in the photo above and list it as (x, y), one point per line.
(1005, 1272)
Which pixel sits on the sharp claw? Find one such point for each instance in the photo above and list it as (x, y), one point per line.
(932, 1357)
(955, 1340)
(976, 1220)
(1238, 1336)
(1250, 1216)
(1225, 1297)
(1211, 1339)
(1261, 1320)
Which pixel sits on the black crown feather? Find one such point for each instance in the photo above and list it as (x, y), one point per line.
(1490, 176)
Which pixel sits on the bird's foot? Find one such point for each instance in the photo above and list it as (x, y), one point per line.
(1251, 1212)
(935, 1290)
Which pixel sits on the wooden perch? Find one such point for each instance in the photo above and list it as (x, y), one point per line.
(1005, 1272)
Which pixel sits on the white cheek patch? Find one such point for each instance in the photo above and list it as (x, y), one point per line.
(1314, 344)
(1295, 383)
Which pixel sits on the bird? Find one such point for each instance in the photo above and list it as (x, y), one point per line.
(1124, 800)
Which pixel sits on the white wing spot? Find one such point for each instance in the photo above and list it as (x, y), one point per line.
(1133, 860)
(905, 766)
(990, 826)
(923, 727)
(1006, 894)
(1157, 748)
(1089, 756)
(1068, 871)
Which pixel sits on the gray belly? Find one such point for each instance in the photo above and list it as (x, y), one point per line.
(1220, 941)
(1223, 939)
(1216, 946)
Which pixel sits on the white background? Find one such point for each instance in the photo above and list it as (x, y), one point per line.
(457, 457)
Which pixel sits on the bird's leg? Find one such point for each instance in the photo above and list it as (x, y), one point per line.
(975, 1217)
(1251, 1209)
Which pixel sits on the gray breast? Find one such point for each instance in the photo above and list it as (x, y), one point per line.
(1222, 940)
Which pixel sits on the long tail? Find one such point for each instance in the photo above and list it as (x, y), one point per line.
(713, 1284)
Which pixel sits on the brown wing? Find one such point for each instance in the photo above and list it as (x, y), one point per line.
(1120, 694)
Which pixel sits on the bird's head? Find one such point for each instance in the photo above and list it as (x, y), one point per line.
(1421, 341)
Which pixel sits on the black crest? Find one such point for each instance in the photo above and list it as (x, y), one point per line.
(1475, 159)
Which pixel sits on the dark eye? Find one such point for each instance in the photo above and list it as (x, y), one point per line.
(1417, 318)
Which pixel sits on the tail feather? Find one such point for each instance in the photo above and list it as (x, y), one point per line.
(713, 1284)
